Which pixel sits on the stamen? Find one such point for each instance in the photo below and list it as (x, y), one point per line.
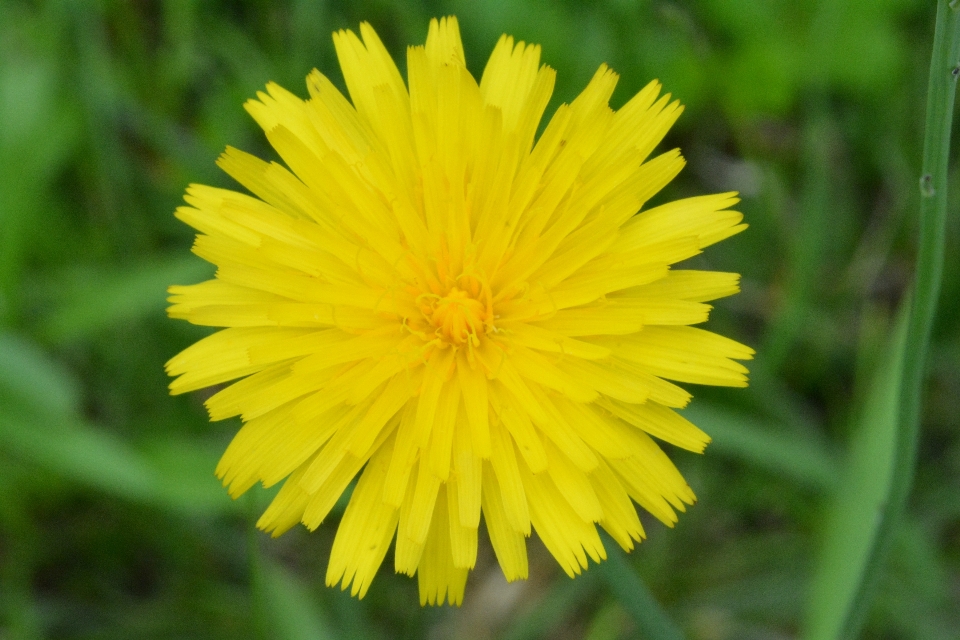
(463, 314)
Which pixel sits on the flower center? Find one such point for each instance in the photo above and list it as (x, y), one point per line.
(458, 317)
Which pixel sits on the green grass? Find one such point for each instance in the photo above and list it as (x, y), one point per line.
(111, 522)
(883, 454)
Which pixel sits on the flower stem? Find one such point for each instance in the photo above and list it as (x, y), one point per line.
(941, 91)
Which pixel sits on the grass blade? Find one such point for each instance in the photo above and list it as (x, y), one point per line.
(40, 422)
(93, 300)
(752, 440)
(30, 378)
(859, 506)
(291, 608)
(903, 409)
(635, 597)
(544, 619)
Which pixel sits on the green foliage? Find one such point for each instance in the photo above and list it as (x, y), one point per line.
(111, 522)
(884, 453)
(858, 510)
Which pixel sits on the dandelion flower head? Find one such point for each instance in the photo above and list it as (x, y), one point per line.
(463, 318)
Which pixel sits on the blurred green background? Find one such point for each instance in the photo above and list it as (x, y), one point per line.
(112, 524)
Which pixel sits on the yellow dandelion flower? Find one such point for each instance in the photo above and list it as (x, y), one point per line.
(467, 320)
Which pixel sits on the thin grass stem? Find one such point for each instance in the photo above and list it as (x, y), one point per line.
(941, 92)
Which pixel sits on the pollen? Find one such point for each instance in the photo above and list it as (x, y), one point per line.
(458, 317)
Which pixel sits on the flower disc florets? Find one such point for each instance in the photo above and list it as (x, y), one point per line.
(459, 312)
(471, 322)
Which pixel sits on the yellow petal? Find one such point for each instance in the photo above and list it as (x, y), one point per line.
(508, 543)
